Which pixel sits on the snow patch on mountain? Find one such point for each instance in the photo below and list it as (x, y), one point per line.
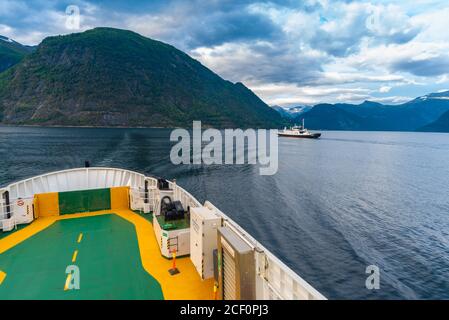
(6, 39)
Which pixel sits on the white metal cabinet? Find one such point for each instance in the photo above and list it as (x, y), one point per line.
(203, 240)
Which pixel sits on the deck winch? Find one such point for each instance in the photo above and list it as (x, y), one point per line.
(170, 223)
(172, 210)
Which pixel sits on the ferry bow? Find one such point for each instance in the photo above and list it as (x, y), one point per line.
(125, 234)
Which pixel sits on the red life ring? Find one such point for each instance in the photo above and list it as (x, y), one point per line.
(20, 202)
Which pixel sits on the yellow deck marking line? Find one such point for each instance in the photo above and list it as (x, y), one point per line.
(38, 225)
(80, 237)
(186, 285)
(67, 282)
(2, 276)
(75, 254)
(17, 237)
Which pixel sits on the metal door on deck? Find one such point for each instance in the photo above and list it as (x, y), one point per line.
(229, 281)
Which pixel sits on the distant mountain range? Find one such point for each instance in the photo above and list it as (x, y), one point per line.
(112, 77)
(291, 112)
(11, 52)
(426, 113)
(439, 125)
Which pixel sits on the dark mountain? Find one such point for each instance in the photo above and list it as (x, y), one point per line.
(330, 117)
(440, 125)
(11, 52)
(112, 77)
(375, 116)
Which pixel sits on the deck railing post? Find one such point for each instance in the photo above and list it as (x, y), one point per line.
(7, 204)
(146, 191)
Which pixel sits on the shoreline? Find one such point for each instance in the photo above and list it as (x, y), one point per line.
(123, 127)
(72, 126)
(205, 127)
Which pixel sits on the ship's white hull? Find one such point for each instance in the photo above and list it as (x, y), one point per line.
(304, 136)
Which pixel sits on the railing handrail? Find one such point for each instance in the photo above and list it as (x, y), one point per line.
(73, 170)
(259, 247)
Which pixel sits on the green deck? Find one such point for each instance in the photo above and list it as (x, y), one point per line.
(173, 224)
(108, 259)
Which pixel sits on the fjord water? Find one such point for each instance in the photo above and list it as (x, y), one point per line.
(335, 206)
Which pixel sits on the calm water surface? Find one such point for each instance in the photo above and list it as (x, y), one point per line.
(336, 205)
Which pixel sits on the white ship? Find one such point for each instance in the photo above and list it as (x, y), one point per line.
(298, 132)
(105, 233)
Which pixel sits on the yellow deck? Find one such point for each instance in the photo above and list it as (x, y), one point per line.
(185, 285)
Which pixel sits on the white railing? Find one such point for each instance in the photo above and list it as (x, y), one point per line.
(4, 210)
(182, 195)
(275, 280)
(75, 179)
(141, 195)
(6, 222)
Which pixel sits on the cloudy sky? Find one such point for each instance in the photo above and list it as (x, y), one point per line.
(289, 52)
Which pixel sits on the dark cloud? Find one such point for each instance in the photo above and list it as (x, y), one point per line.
(218, 28)
(265, 63)
(270, 42)
(434, 66)
(134, 6)
(208, 23)
(403, 36)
